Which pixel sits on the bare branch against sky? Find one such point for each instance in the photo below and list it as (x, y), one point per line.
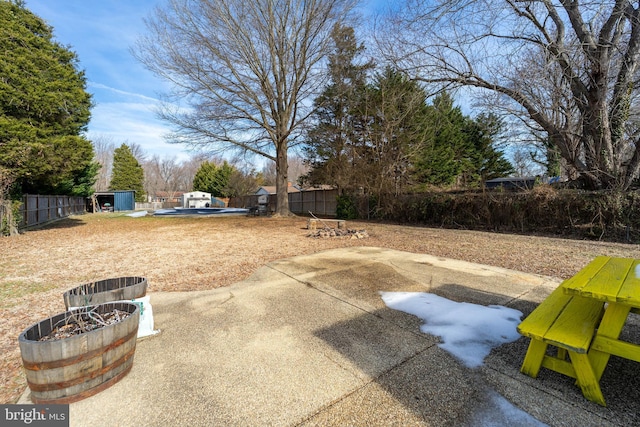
(244, 73)
(567, 67)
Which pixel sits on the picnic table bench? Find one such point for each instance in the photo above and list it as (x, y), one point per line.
(585, 331)
(568, 323)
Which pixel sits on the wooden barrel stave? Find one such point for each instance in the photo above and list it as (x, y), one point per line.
(107, 290)
(70, 369)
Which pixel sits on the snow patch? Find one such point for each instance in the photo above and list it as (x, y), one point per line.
(468, 331)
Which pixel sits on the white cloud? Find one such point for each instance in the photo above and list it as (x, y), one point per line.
(134, 123)
(101, 33)
(122, 92)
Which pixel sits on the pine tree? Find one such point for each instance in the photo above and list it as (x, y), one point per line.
(447, 154)
(44, 108)
(392, 130)
(214, 179)
(488, 161)
(127, 173)
(460, 150)
(331, 143)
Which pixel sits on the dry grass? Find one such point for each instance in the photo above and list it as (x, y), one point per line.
(184, 254)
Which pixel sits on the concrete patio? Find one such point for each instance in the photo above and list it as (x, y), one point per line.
(308, 341)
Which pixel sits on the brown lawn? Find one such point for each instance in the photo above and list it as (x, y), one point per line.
(184, 254)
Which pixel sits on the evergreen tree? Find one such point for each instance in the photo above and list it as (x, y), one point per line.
(392, 129)
(552, 159)
(331, 143)
(448, 152)
(460, 150)
(214, 179)
(44, 108)
(488, 161)
(204, 176)
(383, 138)
(127, 173)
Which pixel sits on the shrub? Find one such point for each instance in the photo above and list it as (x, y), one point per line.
(603, 215)
(346, 207)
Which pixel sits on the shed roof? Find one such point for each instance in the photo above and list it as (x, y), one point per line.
(111, 193)
(271, 189)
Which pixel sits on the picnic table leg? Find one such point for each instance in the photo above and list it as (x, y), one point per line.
(562, 353)
(586, 377)
(533, 359)
(611, 326)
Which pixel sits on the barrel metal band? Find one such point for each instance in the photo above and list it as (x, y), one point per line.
(39, 366)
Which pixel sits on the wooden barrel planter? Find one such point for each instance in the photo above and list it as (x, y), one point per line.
(108, 290)
(70, 369)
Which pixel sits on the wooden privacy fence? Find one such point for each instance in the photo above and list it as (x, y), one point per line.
(320, 202)
(38, 209)
(251, 201)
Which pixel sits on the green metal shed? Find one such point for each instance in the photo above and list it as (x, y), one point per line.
(124, 200)
(114, 201)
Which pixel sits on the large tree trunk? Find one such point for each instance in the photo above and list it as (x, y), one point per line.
(245, 70)
(282, 180)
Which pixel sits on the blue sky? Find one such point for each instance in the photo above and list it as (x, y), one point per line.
(124, 92)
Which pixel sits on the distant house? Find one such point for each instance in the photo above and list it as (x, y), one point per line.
(166, 197)
(196, 199)
(271, 189)
(511, 183)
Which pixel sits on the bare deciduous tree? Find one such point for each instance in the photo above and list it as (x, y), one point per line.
(297, 168)
(162, 175)
(568, 66)
(269, 173)
(242, 183)
(243, 72)
(189, 168)
(103, 148)
(523, 163)
(137, 151)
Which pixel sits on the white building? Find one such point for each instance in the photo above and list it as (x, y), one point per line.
(196, 199)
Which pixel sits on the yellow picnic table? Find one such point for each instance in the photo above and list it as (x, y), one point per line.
(583, 319)
(615, 281)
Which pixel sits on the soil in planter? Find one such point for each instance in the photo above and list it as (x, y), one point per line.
(82, 321)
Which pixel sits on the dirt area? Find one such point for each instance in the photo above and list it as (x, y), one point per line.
(184, 254)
